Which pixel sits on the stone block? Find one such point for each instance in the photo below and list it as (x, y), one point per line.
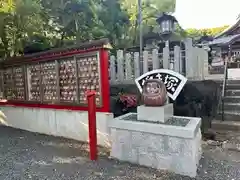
(121, 143)
(129, 153)
(163, 162)
(184, 166)
(116, 151)
(137, 143)
(147, 159)
(175, 146)
(155, 114)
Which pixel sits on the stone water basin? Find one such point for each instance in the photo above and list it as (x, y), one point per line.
(174, 145)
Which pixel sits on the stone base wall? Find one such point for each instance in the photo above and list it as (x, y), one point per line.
(179, 155)
(63, 123)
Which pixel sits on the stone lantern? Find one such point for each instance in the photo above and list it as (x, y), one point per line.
(167, 24)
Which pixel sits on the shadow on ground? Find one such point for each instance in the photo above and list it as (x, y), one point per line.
(25, 155)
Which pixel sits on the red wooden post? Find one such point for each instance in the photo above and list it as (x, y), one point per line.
(92, 124)
(104, 59)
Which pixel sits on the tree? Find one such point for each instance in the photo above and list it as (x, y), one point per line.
(32, 25)
(112, 22)
(151, 9)
(86, 20)
(196, 33)
(19, 20)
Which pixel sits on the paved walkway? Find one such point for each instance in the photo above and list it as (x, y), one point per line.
(25, 155)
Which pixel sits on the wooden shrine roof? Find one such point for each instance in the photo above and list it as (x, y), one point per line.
(225, 41)
(102, 43)
(230, 29)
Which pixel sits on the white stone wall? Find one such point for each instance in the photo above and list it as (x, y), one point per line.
(180, 155)
(64, 123)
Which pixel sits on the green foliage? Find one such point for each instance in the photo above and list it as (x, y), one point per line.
(32, 25)
(196, 33)
(18, 22)
(6, 6)
(150, 11)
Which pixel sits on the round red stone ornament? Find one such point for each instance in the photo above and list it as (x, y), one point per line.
(154, 93)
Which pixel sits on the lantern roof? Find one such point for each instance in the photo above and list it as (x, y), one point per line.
(165, 17)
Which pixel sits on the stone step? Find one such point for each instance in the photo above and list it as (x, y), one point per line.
(228, 81)
(233, 107)
(232, 99)
(229, 116)
(226, 125)
(217, 71)
(232, 92)
(233, 87)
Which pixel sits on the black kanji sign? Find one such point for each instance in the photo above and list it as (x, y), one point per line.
(173, 81)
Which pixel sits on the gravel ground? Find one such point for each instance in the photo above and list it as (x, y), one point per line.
(25, 155)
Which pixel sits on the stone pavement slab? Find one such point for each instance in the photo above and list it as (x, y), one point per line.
(25, 155)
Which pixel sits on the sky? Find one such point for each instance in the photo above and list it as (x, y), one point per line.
(206, 13)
